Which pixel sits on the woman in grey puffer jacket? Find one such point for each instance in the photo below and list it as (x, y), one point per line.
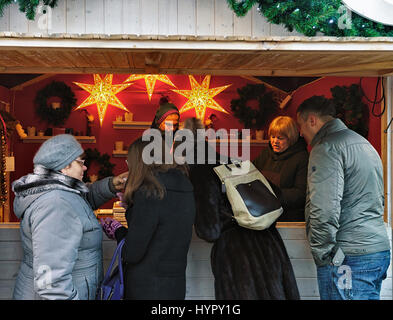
(61, 237)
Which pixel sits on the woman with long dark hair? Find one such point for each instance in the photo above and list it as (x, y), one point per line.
(160, 216)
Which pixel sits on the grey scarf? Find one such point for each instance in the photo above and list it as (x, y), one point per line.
(43, 180)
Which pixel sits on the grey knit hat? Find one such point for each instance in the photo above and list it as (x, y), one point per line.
(58, 152)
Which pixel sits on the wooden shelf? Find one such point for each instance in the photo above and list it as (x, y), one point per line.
(120, 154)
(37, 139)
(252, 142)
(131, 125)
(124, 153)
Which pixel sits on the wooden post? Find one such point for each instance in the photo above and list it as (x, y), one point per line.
(7, 203)
(389, 107)
(386, 147)
(384, 155)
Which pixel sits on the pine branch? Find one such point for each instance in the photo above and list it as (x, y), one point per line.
(241, 8)
(29, 7)
(312, 16)
(3, 4)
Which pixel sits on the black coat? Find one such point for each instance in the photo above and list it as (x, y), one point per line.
(287, 173)
(246, 264)
(157, 240)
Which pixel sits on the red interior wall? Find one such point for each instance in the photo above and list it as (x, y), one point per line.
(323, 86)
(4, 95)
(136, 100)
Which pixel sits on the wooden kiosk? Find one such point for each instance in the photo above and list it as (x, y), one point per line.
(186, 37)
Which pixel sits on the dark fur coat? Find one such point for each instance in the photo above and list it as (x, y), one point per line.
(246, 264)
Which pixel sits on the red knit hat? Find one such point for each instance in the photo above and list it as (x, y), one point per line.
(165, 109)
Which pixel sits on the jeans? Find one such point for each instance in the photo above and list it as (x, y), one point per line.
(358, 278)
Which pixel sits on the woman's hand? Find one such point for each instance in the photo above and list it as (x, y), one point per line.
(119, 181)
(123, 204)
(109, 226)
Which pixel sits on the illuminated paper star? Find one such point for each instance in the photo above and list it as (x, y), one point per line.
(150, 80)
(201, 97)
(103, 92)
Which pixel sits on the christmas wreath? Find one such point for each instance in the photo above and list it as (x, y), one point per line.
(47, 112)
(254, 118)
(106, 167)
(350, 108)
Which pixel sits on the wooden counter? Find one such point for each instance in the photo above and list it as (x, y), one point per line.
(200, 281)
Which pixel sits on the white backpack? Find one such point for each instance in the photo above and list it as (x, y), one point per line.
(254, 204)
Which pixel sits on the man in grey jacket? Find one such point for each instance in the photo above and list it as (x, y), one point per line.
(344, 206)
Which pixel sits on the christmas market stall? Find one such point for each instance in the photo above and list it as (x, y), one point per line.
(98, 70)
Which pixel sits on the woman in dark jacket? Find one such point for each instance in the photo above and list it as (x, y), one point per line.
(247, 264)
(284, 163)
(160, 216)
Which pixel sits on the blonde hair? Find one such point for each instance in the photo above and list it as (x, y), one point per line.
(284, 126)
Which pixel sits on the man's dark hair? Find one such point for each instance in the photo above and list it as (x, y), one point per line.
(319, 105)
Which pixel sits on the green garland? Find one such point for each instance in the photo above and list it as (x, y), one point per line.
(27, 6)
(350, 108)
(106, 167)
(254, 118)
(311, 16)
(46, 112)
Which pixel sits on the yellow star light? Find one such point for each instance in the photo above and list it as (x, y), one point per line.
(150, 80)
(201, 97)
(103, 92)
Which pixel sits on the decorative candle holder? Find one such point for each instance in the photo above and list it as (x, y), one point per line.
(31, 131)
(119, 145)
(128, 116)
(259, 134)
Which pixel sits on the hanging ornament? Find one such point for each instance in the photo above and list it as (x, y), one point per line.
(150, 80)
(102, 93)
(380, 11)
(201, 97)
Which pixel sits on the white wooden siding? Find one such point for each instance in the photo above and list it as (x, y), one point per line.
(153, 17)
(94, 16)
(200, 280)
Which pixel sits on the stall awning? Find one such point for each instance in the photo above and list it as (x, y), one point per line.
(273, 56)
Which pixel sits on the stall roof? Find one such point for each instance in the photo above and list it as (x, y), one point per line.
(268, 56)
